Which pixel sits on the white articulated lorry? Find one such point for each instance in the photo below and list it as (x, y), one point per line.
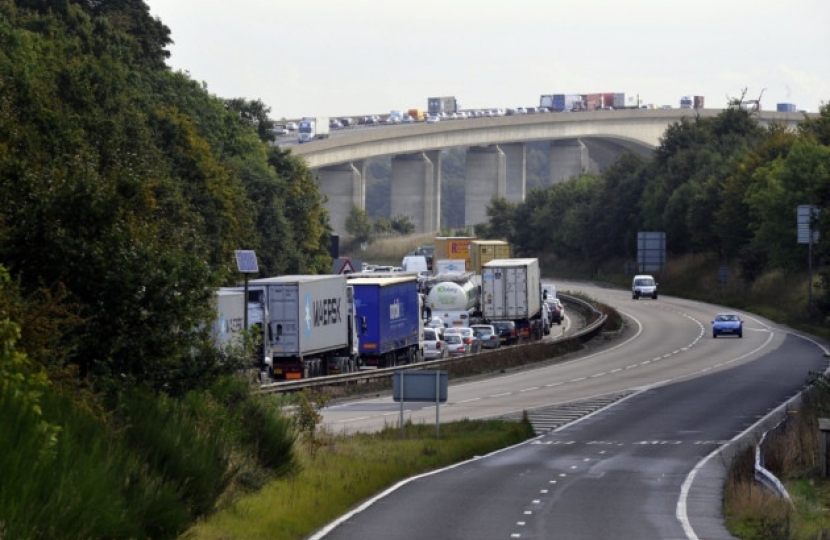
(308, 325)
(511, 290)
(310, 129)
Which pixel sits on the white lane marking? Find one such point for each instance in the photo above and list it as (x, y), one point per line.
(682, 508)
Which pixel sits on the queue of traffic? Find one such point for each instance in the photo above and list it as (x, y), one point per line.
(314, 325)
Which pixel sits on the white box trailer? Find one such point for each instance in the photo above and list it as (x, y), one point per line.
(308, 324)
(230, 318)
(511, 289)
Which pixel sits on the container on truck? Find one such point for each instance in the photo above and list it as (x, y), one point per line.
(591, 102)
(511, 290)
(310, 129)
(450, 266)
(786, 107)
(484, 251)
(230, 318)
(446, 104)
(619, 101)
(606, 100)
(561, 102)
(453, 247)
(686, 102)
(698, 102)
(389, 313)
(417, 114)
(307, 324)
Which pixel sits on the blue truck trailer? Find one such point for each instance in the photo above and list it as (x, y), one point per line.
(389, 318)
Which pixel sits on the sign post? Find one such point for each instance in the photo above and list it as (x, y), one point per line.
(424, 386)
(807, 216)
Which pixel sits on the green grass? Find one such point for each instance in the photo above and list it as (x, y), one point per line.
(754, 513)
(345, 470)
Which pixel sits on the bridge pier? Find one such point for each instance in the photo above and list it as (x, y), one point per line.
(416, 189)
(345, 186)
(516, 168)
(568, 159)
(486, 171)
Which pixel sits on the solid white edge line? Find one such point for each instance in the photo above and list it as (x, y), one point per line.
(334, 524)
(682, 504)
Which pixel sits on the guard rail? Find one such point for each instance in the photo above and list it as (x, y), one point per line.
(594, 318)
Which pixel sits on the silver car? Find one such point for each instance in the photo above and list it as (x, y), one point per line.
(487, 335)
(434, 346)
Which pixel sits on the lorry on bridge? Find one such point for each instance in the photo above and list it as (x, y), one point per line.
(310, 129)
(307, 325)
(390, 317)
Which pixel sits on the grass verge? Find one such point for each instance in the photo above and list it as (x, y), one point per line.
(339, 471)
(792, 453)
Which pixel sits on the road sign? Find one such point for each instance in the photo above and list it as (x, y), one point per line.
(807, 216)
(343, 265)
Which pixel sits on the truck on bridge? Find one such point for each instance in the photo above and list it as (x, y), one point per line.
(310, 129)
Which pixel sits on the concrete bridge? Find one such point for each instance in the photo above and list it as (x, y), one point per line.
(495, 163)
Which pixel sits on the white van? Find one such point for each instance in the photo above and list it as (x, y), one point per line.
(414, 263)
(643, 285)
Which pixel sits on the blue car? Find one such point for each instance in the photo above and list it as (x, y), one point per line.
(727, 324)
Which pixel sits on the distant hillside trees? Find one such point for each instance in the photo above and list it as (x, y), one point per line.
(722, 185)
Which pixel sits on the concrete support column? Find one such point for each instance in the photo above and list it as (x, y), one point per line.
(486, 178)
(343, 186)
(413, 191)
(516, 159)
(568, 159)
(434, 157)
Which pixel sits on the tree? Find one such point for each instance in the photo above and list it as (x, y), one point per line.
(402, 225)
(254, 113)
(358, 224)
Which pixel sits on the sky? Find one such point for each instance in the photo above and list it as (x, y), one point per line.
(358, 57)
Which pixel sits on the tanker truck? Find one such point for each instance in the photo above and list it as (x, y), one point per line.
(454, 298)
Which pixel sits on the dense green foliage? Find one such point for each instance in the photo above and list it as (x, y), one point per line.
(128, 187)
(149, 471)
(723, 185)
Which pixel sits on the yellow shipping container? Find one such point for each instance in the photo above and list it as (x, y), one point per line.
(484, 251)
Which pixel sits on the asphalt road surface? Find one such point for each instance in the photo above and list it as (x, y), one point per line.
(633, 470)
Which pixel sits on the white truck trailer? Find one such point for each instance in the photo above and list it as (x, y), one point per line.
(308, 325)
(511, 289)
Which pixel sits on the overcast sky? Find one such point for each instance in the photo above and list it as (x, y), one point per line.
(356, 57)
